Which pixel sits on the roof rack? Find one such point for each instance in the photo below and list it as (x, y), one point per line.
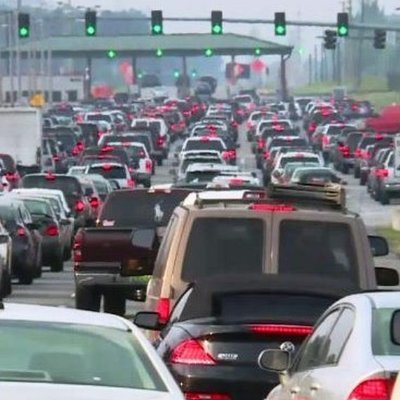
(331, 194)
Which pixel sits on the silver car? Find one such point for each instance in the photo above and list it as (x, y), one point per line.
(353, 353)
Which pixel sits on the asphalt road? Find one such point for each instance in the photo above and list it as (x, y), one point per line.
(57, 289)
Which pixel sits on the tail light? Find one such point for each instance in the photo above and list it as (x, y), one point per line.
(250, 125)
(11, 177)
(345, 150)
(131, 170)
(206, 396)
(191, 352)
(312, 127)
(161, 141)
(80, 146)
(382, 173)
(163, 309)
(373, 389)
(94, 202)
(234, 124)
(260, 144)
(75, 151)
(358, 153)
(131, 183)
(77, 248)
(174, 127)
(52, 230)
(281, 330)
(21, 231)
(79, 206)
(149, 165)
(266, 155)
(50, 176)
(325, 140)
(182, 125)
(56, 158)
(272, 208)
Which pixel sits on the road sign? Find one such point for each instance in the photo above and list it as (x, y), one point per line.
(397, 155)
(37, 100)
(237, 71)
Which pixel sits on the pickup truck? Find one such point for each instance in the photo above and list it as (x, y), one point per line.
(115, 258)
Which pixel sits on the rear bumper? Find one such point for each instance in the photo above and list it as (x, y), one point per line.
(392, 188)
(52, 250)
(240, 383)
(141, 177)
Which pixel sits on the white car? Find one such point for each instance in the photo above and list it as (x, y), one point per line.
(203, 143)
(352, 354)
(76, 170)
(113, 171)
(67, 354)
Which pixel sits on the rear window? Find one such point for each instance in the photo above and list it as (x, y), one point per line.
(224, 245)
(8, 162)
(109, 171)
(99, 117)
(353, 139)
(288, 142)
(204, 145)
(317, 248)
(334, 130)
(371, 140)
(287, 160)
(382, 344)
(8, 217)
(36, 207)
(68, 185)
(139, 208)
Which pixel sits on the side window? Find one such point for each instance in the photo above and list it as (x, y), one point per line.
(166, 243)
(309, 355)
(337, 340)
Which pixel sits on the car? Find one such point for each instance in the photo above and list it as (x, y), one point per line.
(76, 170)
(102, 185)
(74, 355)
(220, 324)
(72, 190)
(112, 171)
(363, 327)
(204, 143)
(343, 157)
(314, 175)
(203, 173)
(5, 262)
(296, 229)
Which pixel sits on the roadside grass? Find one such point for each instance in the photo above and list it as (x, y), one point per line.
(392, 236)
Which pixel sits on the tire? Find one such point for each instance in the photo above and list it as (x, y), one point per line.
(147, 184)
(114, 304)
(357, 172)
(6, 289)
(26, 277)
(363, 179)
(384, 198)
(87, 298)
(58, 264)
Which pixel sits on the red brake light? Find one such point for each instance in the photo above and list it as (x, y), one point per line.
(56, 158)
(107, 149)
(21, 232)
(160, 141)
(278, 330)
(163, 309)
(358, 153)
(11, 177)
(94, 202)
(382, 173)
(80, 146)
(77, 248)
(261, 143)
(325, 140)
(50, 176)
(79, 206)
(131, 183)
(206, 396)
(373, 389)
(266, 155)
(191, 352)
(106, 167)
(236, 181)
(149, 165)
(75, 151)
(52, 230)
(378, 136)
(250, 125)
(272, 207)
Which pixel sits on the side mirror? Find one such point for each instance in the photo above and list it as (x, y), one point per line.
(274, 360)
(386, 276)
(379, 246)
(4, 239)
(148, 320)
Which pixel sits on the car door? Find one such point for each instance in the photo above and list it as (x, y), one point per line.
(307, 359)
(319, 384)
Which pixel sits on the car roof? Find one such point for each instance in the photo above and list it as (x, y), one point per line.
(35, 313)
(379, 299)
(211, 167)
(99, 165)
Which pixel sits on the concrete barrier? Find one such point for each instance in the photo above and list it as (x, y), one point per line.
(396, 219)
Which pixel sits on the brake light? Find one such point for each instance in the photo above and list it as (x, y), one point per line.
(382, 173)
(94, 202)
(106, 167)
(107, 149)
(206, 396)
(266, 155)
(160, 141)
(131, 183)
(277, 127)
(325, 140)
(345, 150)
(312, 127)
(261, 143)
(79, 206)
(234, 124)
(174, 127)
(163, 309)
(50, 176)
(75, 151)
(11, 177)
(56, 158)
(378, 136)
(149, 165)
(80, 146)
(358, 153)
(52, 230)
(236, 181)
(281, 330)
(77, 248)
(250, 125)
(373, 389)
(21, 231)
(191, 352)
(272, 207)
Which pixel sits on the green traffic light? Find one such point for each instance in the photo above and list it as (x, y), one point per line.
(23, 32)
(159, 53)
(280, 30)
(111, 54)
(176, 74)
(208, 52)
(217, 29)
(194, 74)
(343, 31)
(257, 52)
(90, 30)
(157, 28)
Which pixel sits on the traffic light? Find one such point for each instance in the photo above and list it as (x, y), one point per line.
(140, 74)
(216, 23)
(159, 53)
(177, 74)
(330, 39)
(23, 25)
(90, 23)
(257, 51)
(157, 22)
(208, 52)
(194, 73)
(379, 39)
(280, 24)
(343, 24)
(111, 54)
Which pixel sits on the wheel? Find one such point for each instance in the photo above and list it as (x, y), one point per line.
(384, 198)
(114, 303)
(363, 179)
(58, 264)
(87, 298)
(147, 184)
(8, 284)
(26, 278)
(357, 172)
(159, 162)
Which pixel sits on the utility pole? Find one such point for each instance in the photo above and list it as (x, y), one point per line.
(315, 64)
(11, 55)
(359, 62)
(18, 55)
(310, 74)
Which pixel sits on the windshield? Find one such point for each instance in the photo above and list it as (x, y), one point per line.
(74, 354)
